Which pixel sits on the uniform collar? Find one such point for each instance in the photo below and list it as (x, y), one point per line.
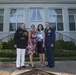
(48, 28)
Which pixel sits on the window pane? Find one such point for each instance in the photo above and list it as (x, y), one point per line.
(17, 11)
(18, 25)
(60, 26)
(20, 11)
(32, 23)
(16, 18)
(39, 23)
(36, 16)
(13, 19)
(72, 11)
(55, 11)
(20, 19)
(53, 25)
(71, 19)
(1, 26)
(1, 23)
(58, 11)
(1, 11)
(72, 26)
(1, 19)
(59, 19)
(53, 19)
(13, 11)
(39, 14)
(12, 26)
(32, 14)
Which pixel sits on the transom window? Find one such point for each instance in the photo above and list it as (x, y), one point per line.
(72, 19)
(36, 16)
(56, 19)
(16, 18)
(1, 19)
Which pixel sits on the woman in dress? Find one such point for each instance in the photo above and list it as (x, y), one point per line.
(40, 43)
(32, 37)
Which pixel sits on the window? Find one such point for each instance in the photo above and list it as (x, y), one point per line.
(72, 19)
(56, 19)
(16, 18)
(36, 16)
(1, 19)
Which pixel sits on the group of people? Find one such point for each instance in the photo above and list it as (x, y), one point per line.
(40, 41)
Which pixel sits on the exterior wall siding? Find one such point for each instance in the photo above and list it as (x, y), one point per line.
(26, 7)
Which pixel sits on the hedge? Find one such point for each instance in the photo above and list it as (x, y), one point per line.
(7, 45)
(59, 45)
(58, 53)
(64, 45)
(62, 48)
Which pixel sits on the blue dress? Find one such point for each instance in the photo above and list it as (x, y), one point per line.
(40, 48)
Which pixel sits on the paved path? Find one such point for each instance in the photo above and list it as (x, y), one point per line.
(61, 68)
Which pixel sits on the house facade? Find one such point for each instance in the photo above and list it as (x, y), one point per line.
(60, 13)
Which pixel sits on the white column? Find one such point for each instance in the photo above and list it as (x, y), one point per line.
(65, 19)
(6, 20)
(66, 23)
(46, 15)
(27, 17)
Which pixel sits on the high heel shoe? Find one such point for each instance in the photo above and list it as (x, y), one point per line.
(31, 66)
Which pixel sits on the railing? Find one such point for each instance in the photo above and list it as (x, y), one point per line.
(7, 38)
(60, 36)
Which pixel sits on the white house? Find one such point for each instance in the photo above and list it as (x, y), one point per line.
(60, 13)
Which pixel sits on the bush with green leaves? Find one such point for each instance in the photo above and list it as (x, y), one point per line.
(5, 45)
(64, 45)
(70, 45)
(11, 44)
(59, 45)
(0, 45)
(8, 45)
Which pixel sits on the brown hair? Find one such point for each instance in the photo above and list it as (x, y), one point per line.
(41, 26)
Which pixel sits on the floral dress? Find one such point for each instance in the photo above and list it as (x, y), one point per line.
(34, 42)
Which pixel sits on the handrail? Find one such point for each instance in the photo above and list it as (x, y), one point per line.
(66, 36)
(60, 35)
(8, 36)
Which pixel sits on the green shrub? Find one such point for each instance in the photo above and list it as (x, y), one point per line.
(8, 45)
(5, 45)
(64, 45)
(11, 44)
(59, 45)
(8, 53)
(65, 53)
(70, 45)
(0, 45)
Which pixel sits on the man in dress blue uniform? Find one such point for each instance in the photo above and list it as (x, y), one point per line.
(49, 44)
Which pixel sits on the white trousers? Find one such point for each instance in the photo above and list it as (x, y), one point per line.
(20, 60)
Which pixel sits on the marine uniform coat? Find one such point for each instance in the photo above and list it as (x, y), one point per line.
(20, 39)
